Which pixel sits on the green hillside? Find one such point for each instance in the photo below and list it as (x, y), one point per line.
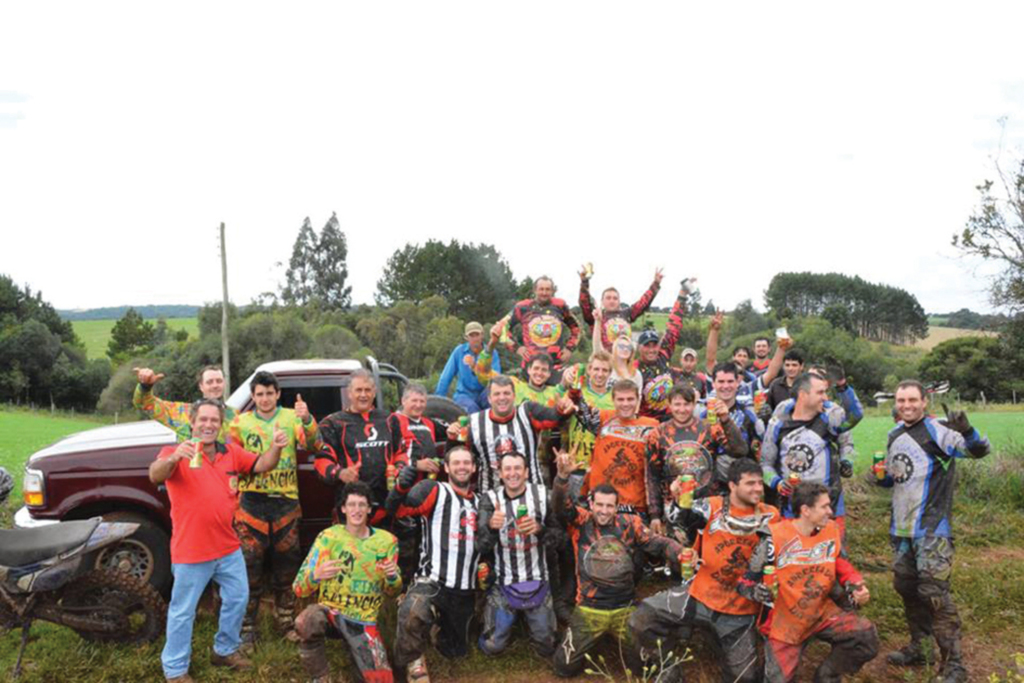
(96, 333)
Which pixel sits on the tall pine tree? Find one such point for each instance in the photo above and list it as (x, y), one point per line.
(330, 269)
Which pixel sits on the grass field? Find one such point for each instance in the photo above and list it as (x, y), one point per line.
(988, 583)
(96, 333)
(937, 335)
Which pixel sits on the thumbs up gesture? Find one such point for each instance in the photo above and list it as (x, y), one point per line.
(301, 409)
(147, 377)
(280, 437)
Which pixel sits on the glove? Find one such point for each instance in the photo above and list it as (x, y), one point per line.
(763, 594)
(784, 489)
(957, 420)
(845, 469)
(764, 413)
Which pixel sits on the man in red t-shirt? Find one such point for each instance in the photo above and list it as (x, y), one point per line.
(201, 476)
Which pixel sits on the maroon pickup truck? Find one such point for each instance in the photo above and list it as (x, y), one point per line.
(105, 471)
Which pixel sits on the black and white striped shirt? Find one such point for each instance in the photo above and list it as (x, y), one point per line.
(517, 558)
(523, 425)
(448, 527)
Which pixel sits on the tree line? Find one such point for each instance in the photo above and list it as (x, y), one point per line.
(426, 293)
(876, 312)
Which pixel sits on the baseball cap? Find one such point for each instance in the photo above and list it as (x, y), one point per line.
(688, 352)
(474, 327)
(647, 336)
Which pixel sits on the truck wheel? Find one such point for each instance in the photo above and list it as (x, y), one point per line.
(145, 555)
(444, 409)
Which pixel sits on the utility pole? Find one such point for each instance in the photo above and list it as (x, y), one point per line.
(225, 350)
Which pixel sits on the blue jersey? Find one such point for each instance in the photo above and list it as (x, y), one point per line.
(461, 365)
(809, 448)
(920, 466)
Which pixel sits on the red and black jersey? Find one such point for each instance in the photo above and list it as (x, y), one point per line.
(617, 321)
(419, 437)
(365, 439)
(543, 328)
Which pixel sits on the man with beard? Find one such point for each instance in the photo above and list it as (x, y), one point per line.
(351, 568)
(615, 316)
(362, 445)
(524, 424)
(686, 445)
(443, 592)
(762, 347)
(728, 533)
(267, 519)
(920, 467)
(470, 394)
(603, 543)
(812, 578)
(174, 414)
(512, 526)
(802, 444)
(656, 358)
(543, 324)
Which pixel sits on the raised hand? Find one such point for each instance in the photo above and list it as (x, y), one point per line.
(659, 273)
(452, 432)
(428, 465)
(957, 420)
(716, 321)
(301, 409)
(565, 462)
(147, 377)
(497, 520)
(185, 450)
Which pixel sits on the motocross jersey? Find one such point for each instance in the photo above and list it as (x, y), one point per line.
(658, 377)
(604, 554)
(547, 395)
(549, 328)
(809, 448)
(359, 589)
(575, 435)
(616, 322)
(256, 435)
(674, 450)
(920, 466)
(363, 439)
(727, 538)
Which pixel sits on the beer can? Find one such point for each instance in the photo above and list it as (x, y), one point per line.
(878, 465)
(196, 460)
(521, 511)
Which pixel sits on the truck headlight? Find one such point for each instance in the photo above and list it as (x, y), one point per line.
(33, 488)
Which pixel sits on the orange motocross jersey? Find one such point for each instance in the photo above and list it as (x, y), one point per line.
(806, 571)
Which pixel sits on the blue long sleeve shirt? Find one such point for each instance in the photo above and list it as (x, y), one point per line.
(460, 369)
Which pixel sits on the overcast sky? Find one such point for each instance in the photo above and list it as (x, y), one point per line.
(723, 141)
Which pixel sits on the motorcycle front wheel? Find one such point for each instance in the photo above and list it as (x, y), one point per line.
(123, 608)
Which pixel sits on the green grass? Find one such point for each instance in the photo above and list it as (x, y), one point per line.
(22, 433)
(988, 582)
(96, 333)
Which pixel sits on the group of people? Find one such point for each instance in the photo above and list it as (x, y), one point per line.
(566, 486)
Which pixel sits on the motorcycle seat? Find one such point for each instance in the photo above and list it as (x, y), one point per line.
(21, 547)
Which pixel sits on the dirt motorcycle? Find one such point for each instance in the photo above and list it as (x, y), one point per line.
(50, 574)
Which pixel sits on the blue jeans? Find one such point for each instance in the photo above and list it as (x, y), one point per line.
(499, 619)
(190, 580)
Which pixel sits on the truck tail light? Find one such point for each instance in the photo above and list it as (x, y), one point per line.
(33, 488)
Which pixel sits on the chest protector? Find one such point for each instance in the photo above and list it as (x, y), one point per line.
(806, 570)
